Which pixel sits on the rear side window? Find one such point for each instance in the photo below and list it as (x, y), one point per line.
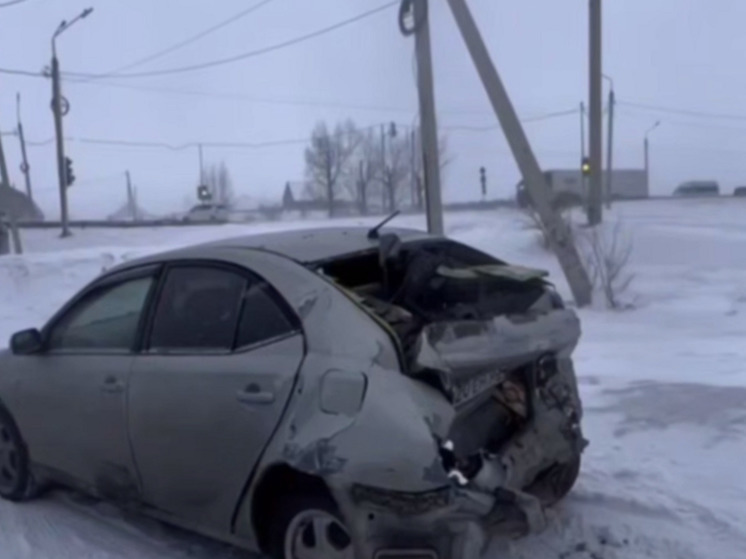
(198, 309)
(261, 317)
(204, 308)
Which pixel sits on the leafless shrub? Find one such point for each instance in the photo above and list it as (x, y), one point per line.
(607, 254)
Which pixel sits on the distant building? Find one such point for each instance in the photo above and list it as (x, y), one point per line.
(570, 189)
(16, 204)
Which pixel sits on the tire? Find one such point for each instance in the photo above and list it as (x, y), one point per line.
(16, 483)
(554, 484)
(302, 520)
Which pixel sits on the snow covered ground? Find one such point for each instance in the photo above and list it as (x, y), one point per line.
(664, 386)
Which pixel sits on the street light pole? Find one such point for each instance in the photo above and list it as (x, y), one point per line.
(647, 155)
(610, 147)
(57, 109)
(595, 206)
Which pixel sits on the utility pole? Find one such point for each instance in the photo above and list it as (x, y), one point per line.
(420, 28)
(58, 114)
(131, 198)
(59, 135)
(25, 169)
(384, 170)
(647, 154)
(610, 147)
(559, 233)
(595, 199)
(583, 153)
(201, 165)
(413, 171)
(5, 184)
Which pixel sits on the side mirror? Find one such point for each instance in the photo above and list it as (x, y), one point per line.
(26, 342)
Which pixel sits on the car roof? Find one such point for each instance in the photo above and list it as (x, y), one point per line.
(304, 245)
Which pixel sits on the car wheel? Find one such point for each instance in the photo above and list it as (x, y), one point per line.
(554, 484)
(15, 477)
(309, 527)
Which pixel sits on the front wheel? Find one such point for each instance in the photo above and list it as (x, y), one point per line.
(309, 527)
(15, 476)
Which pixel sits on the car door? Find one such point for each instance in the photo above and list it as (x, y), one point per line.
(209, 388)
(74, 392)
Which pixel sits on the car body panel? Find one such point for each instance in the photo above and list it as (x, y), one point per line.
(71, 419)
(199, 423)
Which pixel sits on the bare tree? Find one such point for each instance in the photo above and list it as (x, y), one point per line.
(218, 180)
(396, 176)
(327, 161)
(607, 254)
(367, 164)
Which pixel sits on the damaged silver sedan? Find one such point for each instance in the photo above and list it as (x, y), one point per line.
(318, 394)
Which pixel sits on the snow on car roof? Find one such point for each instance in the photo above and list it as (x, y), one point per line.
(314, 245)
(304, 245)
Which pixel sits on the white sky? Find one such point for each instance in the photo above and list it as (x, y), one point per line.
(676, 54)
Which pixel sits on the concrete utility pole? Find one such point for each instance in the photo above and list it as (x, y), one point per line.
(420, 28)
(131, 204)
(647, 154)
(58, 114)
(201, 165)
(25, 169)
(583, 152)
(595, 198)
(609, 191)
(559, 233)
(5, 184)
(413, 170)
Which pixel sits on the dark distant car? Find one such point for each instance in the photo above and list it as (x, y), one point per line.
(317, 394)
(697, 189)
(739, 191)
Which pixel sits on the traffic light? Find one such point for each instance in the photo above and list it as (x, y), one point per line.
(69, 175)
(585, 166)
(483, 180)
(203, 193)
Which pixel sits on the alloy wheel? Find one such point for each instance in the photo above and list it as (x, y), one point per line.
(317, 534)
(9, 460)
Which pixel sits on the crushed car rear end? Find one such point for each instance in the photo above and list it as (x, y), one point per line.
(480, 429)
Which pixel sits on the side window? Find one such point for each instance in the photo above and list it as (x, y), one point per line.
(107, 319)
(261, 318)
(198, 309)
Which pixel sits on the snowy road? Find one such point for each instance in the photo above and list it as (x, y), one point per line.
(664, 386)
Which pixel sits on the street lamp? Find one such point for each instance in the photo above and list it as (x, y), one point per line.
(57, 109)
(647, 154)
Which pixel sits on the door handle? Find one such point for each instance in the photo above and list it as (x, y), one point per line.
(253, 394)
(112, 385)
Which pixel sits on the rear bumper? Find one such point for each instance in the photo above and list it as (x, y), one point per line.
(458, 521)
(460, 530)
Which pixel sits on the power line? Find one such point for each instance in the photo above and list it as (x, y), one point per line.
(239, 96)
(527, 120)
(14, 72)
(682, 112)
(246, 55)
(236, 17)
(11, 3)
